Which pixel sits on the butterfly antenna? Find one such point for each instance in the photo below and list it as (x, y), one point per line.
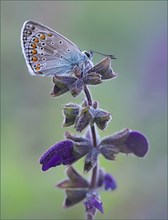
(106, 55)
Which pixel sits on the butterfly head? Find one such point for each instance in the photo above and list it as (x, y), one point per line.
(89, 54)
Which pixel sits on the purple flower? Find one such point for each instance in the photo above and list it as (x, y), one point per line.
(60, 153)
(106, 180)
(137, 143)
(126, 141)
(65, 152)
(92, 203)
(109, 182)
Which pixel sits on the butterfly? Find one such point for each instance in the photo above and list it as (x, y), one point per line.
(48, 53)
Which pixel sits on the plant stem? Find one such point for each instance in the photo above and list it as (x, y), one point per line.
(94, 139)
(88, 95)
(89, 217)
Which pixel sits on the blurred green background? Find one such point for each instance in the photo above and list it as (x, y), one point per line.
(136, 33)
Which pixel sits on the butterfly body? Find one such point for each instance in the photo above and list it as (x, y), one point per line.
(47, 53)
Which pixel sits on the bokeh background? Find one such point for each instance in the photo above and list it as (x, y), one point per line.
(136, 33)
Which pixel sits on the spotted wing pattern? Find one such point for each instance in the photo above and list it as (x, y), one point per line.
(47, 52)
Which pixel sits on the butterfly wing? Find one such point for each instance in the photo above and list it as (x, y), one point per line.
(47, 52)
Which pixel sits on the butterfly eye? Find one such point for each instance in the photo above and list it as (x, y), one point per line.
(87, 54)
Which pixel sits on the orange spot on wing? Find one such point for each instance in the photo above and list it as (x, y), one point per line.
(34, 51)
(36, 40)
(34, 59)
(33, 45)
(37, 68)
(42, 36)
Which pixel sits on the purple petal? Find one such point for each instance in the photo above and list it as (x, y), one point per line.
(92, 203)
(109, 182)
(97, 204)
(90, 209)
(137, 143)
(53, 162)
(66, 161)
(60, 153)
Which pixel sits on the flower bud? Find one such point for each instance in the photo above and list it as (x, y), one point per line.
(71, 112)
(59, 89)
(91, 159)
(104, 69)
(95, 104)
(92, 203)
(83, 120)
(67, 80)
(77, 87)
(62, 84)
(102, 118)
(92, 78)
(109, 182)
